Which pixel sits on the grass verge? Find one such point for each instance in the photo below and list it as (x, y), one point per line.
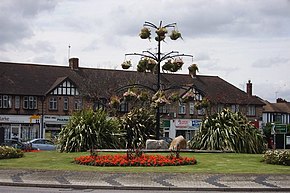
(206, 163)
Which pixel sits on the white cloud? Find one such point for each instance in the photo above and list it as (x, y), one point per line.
(236, 40)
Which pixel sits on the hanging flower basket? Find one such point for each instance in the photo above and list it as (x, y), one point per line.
(189, 96)
(175, 35)
(129, 95)
(151, 64)
(161, 31)
(142, 65)
(159, 99)
(168, 65)
(178, 62)
(205, 103)
(174, 97)
(115, 101)
(145, 33)
(193, 69)
(126, 64)
(143, 96)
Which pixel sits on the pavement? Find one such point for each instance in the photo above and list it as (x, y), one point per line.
(145, 181)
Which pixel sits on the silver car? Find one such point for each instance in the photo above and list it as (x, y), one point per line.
(42, 144)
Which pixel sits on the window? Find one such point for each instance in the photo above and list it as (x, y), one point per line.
(53, 103)
(78, 104)
(5, 101)
(201, 111)
(191, 108)
(65, 104)
(123, 106)
(100, 104)
(251, 110)
(17, 102)
(235, 108)
(66, 88)
(220, 108)
(29, 102)
(163, 109)
(277, 118)
(182, 109)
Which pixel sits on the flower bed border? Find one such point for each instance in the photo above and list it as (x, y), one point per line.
(143, 160)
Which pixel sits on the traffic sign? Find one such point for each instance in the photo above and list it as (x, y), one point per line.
(280, 128)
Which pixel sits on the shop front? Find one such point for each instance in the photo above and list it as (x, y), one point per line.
(20, 127)
(53, 125)
(184, 127)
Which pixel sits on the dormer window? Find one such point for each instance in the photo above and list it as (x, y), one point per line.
(66, 88)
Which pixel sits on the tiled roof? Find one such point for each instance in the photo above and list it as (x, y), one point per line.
(283, 107)
(34, 79)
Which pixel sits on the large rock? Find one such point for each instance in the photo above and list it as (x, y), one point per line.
(178, 142)
(156, 144)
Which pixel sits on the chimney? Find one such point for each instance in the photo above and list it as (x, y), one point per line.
(74, 63)
(249, 88)
(280, 100)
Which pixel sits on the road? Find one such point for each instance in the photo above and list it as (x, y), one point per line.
(15, 189)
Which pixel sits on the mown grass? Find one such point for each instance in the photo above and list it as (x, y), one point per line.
(206, 163)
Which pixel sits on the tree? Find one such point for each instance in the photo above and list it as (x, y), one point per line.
(228, 131)
(87, 130)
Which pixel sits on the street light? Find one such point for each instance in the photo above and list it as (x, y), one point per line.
(159, 57)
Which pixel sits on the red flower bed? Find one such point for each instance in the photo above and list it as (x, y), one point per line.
(143, 160)
(31, 150)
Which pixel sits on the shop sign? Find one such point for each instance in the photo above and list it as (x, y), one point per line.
(196, 123)
(190, 124)
(56, 119)
(165, 123)
(182, 123)
(14, 119)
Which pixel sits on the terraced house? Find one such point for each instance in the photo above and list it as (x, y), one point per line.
(37, 100)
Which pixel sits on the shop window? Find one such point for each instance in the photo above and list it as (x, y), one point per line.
(53, 103)
(29, 102)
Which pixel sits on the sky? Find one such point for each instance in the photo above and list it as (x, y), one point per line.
(237, 40)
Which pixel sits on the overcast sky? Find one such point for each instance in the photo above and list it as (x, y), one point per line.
(237, 40)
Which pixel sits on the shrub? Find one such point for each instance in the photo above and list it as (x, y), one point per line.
(10, 152)
(228, 131)
(280, 157)
(88, 130)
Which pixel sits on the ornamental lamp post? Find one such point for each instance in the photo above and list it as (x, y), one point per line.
(151, 62)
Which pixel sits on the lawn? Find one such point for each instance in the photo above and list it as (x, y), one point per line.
(206, 163)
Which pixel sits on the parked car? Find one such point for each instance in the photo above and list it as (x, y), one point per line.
(14, 143)
(42, 144)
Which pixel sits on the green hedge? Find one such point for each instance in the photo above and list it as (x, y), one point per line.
(10, 152)
(280, 157)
